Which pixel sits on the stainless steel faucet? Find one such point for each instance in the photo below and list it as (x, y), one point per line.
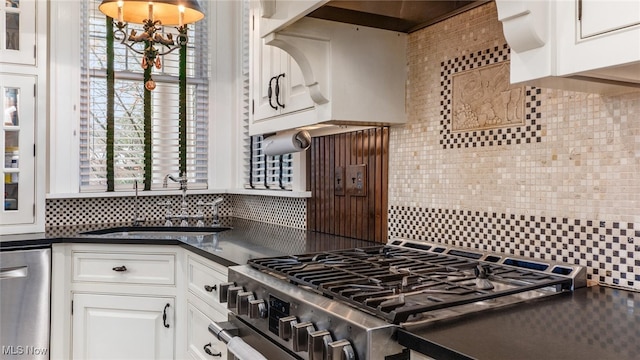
(215, 212)
(184, 214)
(137, 220)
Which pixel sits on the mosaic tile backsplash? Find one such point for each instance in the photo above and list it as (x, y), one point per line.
(561, 186)
(284, 211)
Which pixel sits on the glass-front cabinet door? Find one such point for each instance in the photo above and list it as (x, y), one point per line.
(18, 31)
(18, 144)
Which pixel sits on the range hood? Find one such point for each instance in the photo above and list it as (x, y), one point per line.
(397, 15)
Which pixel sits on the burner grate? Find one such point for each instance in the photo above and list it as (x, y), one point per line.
(396, 283)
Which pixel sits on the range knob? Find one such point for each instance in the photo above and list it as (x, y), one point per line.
(284, 326)
(257, 309)
(318, 344)
(242, 302)
(300, 335)
(223, 291)
(341, 350)
(232, 296)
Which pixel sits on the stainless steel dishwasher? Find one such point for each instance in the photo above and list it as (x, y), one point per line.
(25, 287)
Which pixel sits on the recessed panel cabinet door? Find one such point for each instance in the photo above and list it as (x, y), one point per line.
(123, 327)
(600, 17)
(202, 344)
(277, 84)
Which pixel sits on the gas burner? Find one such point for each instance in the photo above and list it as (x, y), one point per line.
(401, 279)
(349, 303)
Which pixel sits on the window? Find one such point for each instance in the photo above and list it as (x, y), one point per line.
(268, 172)
(261, 171)
(129, 153)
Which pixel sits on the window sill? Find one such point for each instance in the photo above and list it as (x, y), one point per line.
(273, 193)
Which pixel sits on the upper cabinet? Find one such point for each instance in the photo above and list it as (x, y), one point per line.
(18, 142)
(323, 72)
(23, 73)
(580, 45)
(18, 32)
(275, 15)
(279, 85)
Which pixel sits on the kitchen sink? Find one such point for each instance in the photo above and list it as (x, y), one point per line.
(157, 231)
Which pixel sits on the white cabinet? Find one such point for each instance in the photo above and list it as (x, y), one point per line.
(201, 344)
(123, 327)
(23, 115)
(17, 142)
(580, 45)
(599, 17)
(117, 302)
(203, 278)
(278, 87)
(276, 14)
(600, 40)
(134, 302)
(18, 31)
(327, 73)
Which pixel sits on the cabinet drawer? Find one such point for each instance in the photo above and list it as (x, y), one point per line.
(204, 279)
(199, 339)
(124, 268)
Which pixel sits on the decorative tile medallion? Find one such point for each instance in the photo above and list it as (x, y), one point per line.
(479, 108)
(483, 98)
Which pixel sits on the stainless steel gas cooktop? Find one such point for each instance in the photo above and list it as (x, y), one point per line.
(406, 281)
(348, 304)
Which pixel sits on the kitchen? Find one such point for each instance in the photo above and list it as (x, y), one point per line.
(562, 189)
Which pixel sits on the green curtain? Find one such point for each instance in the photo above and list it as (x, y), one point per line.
(110, 108)
(182, 83)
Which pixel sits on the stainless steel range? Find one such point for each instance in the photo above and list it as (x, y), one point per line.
(347, 304)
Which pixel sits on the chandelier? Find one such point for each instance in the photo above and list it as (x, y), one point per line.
(153, 15)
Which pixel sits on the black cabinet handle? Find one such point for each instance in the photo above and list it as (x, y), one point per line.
(120, 268)
(209, 288)
(278, 90)
(270, 93)
(207, 349)
(164, 316)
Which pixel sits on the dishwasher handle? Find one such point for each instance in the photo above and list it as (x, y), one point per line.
(14, 272)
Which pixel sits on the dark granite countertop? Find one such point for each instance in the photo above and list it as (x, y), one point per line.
(245, 240)
(591, 323)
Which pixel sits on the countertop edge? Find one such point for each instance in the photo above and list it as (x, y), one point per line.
(38, 243)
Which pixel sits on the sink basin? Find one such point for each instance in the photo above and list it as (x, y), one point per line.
(157, 231)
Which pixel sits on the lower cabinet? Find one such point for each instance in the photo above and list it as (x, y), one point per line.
(203, 279)
(201, 344)
(134, 302)
(123, 327)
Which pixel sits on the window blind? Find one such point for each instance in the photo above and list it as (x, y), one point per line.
(129, 109)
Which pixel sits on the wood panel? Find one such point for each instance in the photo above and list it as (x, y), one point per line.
(360, 217)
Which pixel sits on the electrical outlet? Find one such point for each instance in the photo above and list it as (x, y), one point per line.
(338, 181)
(356, 180)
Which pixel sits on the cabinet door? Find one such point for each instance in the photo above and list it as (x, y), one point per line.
(17, 142)
(18, 31)
(266, 68)
(201, 343)
(295, 93)
(271, 68)
(123, 327)
(600, 17)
